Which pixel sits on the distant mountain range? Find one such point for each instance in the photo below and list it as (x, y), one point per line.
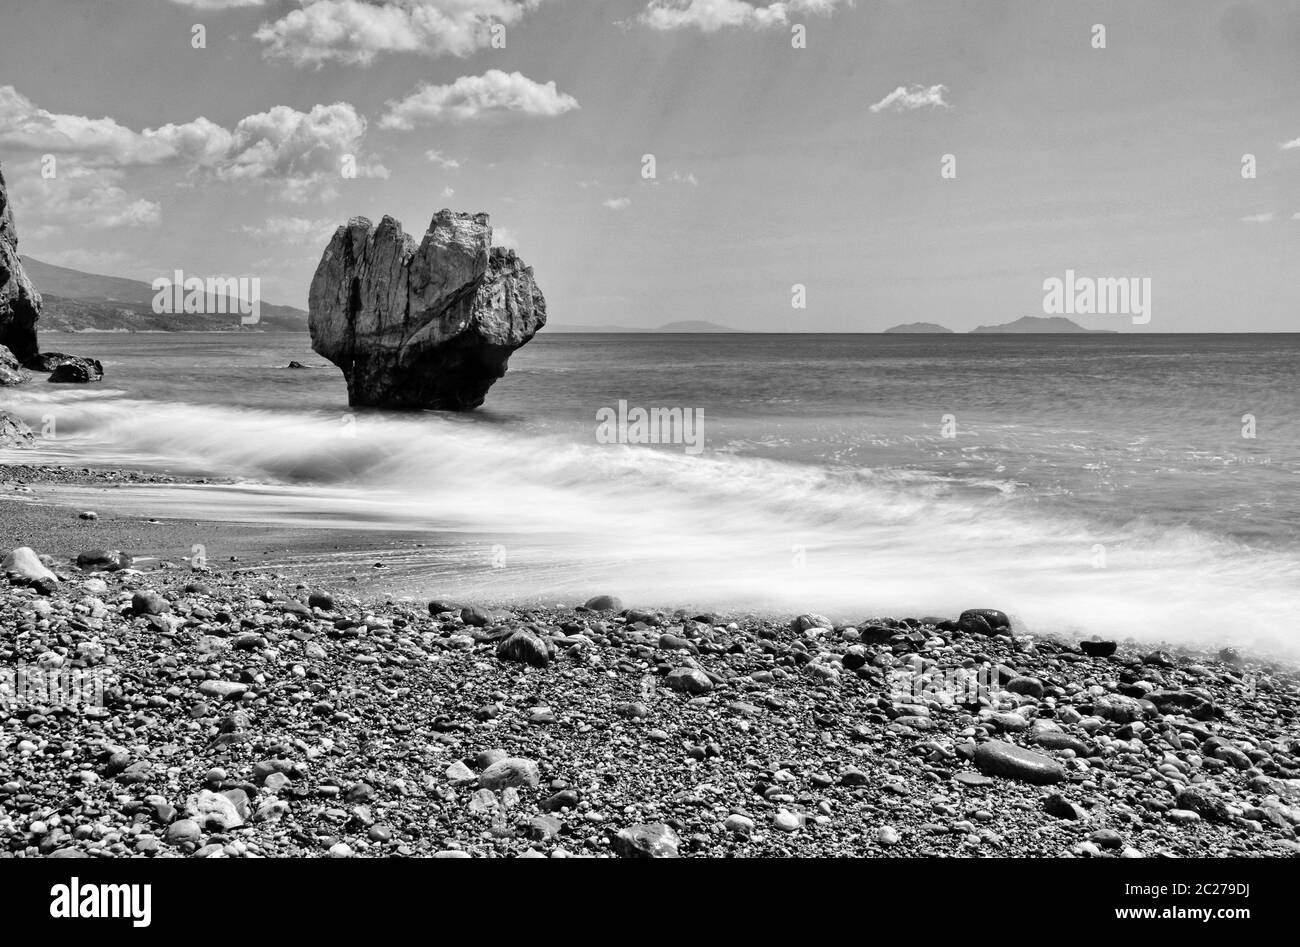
(73, 301)
(1026, 325)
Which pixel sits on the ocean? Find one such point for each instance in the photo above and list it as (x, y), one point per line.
(1125, 485)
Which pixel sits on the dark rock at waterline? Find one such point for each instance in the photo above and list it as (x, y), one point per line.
(76, 370)
(525, 648)
(604, 603)
(103, 560)
(14, 432)
(20, 303)
(321, 600)
(295, 365)
(984, 621)
(1098, 649)
(427, 325)
(11, 370)
(473, 615)
(1006, 759)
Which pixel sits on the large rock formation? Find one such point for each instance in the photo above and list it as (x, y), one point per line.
(422, 326)
(20, 304)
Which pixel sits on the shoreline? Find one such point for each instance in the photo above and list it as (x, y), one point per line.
(251, 714)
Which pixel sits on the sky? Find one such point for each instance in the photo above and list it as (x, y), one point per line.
(798, 149)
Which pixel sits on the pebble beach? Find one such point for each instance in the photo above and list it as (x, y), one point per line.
(224, 712)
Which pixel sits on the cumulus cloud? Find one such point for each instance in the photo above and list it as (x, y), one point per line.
(354, 32)
(713, 15)
(1264, 218)
(617, 203)
(472, 97)
(24, 125)
(286, 144)
(909, 98)
(505, 237)
(302, 150)
(1290, 145)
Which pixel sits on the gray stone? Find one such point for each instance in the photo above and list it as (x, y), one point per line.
(689, 681)
(654, 840)
(512, 771)
(1006, 759)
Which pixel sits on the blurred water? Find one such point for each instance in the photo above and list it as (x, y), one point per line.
(1095, 483)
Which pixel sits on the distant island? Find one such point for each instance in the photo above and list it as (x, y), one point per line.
(1026, 325)
(919, 328)
(74, 301)
(1040, 324)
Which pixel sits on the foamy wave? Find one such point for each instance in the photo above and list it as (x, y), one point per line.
(666, 528)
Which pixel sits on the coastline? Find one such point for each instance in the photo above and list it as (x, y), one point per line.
(250, 712)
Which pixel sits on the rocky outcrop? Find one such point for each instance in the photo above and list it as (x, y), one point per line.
(428, 325)
(20, 304)
(73, 369)
(11, 370)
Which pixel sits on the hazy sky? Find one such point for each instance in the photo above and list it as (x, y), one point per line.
(774, 165)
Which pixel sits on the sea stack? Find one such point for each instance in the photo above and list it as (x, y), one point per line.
(20, 304)
(427, 325)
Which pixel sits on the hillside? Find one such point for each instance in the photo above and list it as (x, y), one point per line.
(74, 301)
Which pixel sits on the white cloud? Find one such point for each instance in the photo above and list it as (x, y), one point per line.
(441, 160)
(908, 98)
(617, 203)
(292, 230)
(302, 150)
(78, 199)
(354, 32)
(448, 193)
(24, 125)
(471, 97)
(505, 237)
(712, 15)
(1290, 145)
(1264, 218)
(688, 178)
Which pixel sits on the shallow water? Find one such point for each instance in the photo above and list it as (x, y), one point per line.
(1092, 483)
